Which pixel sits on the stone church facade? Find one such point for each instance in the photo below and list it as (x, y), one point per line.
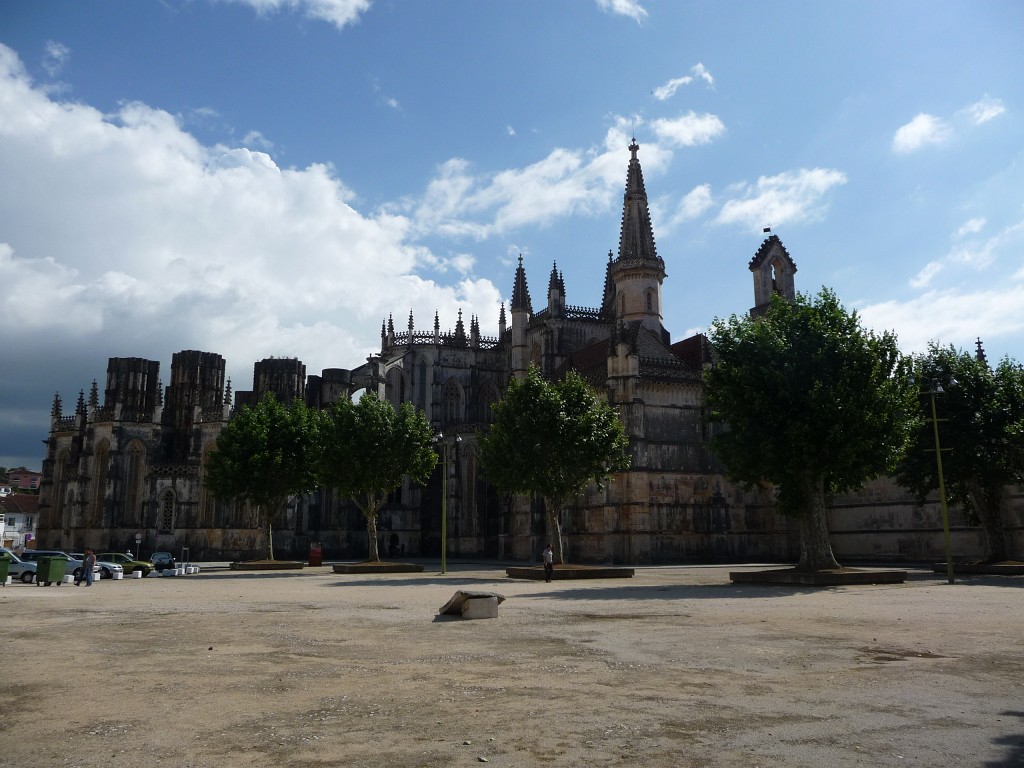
(131, 467)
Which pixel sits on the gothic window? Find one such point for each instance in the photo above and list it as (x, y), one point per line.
(421, 385)
(650, 300)
(622, 305)
(395, 386)
(135, 472)
(60, 484)
(167, 511)
(452, 403)
(99, 480)
(488, 398)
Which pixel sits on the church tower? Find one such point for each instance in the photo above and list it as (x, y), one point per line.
(774, 273)
(638, 272)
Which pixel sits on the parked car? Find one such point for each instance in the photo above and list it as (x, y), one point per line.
(107, 567)
(73, 567)
(129, 564)
(162, 560)
(18, 568)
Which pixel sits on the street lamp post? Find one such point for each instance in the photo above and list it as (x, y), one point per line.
(936, 389)
(440, 438)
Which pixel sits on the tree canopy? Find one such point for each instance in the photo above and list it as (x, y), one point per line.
(552, 439)
(265, 454)
(369, 447)
(981, 425)
(811, 402)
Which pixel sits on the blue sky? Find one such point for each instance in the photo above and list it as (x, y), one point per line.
(266, 178)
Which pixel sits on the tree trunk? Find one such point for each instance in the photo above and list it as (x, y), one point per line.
(988, 507)
(270, 536)
(554, 507)
(815, 545)
(370, 513)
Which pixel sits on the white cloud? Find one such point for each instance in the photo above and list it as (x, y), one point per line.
(55, 56)
(337, 12)
(919, 132)
(793, 196)
(124, 233)
(510, 130)
(977, 255)
(668, 90)
(984, 110)
(694, 203)
(950, 317)
(629, 8)
(460, 204)
(971, 226)
(688, 130)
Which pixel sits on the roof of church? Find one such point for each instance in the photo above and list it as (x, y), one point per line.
(772, 244)
(636, 239)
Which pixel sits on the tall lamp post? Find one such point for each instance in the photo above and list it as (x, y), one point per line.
(440, 438)
(936, 389)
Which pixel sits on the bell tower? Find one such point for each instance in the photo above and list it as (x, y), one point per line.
(638, 272)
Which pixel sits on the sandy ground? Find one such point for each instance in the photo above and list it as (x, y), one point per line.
(675, 667)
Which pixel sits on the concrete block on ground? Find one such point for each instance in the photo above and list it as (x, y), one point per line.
(480, 608)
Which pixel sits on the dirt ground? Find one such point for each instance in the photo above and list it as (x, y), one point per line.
(674, 667)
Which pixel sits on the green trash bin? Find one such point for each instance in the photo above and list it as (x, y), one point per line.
(5, 564)
(50, 570)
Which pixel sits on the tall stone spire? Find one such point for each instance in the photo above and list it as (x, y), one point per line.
(637, 274)
(520, 292)
(636, 239)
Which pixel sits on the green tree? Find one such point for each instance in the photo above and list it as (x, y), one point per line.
(552, 439)
(810, 402)
(368, 447)
(265, 454)
(981, 425)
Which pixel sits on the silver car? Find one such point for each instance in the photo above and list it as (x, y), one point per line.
(18, 568)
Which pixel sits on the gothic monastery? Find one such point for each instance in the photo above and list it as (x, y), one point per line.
(132, 464)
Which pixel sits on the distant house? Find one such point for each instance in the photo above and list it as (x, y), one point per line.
(18, 516)
(24, 479)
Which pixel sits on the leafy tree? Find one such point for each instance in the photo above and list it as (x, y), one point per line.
(981, 424)
(265, 454)
(368, 447)
(811, 402)
(552, 438)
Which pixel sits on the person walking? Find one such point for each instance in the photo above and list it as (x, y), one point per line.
(549, 562)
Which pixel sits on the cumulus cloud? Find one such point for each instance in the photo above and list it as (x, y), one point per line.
(929, 130)
(688, 130)
(950, 317)
(629, 8)
(123, 235)
(337, 12)
(792, 196)
(920, 132)
(459, 203)
(668, 90)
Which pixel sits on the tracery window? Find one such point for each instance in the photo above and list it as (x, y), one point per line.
(452, 403)
(167, 511)
(135, 471)
(99, 480)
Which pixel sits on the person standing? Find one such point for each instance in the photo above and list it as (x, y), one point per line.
(549, 562)
(88, 566)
